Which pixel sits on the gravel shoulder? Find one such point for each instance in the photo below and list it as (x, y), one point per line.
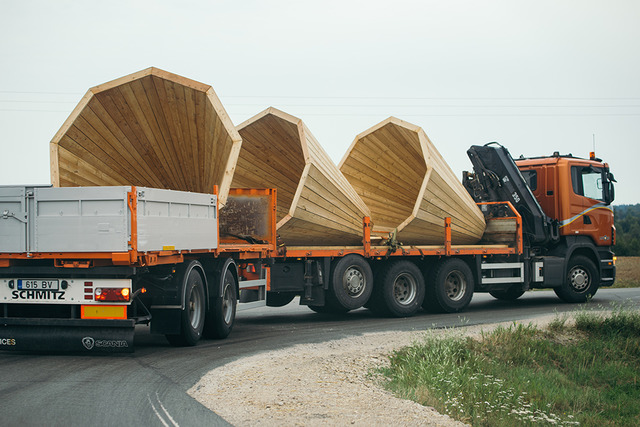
(321, 384)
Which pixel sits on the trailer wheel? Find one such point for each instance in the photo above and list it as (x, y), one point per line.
(351, 283)
(221, 317)
(399, 291)
(581, 282)
(511, 294)
(193, 312)
(450, 287)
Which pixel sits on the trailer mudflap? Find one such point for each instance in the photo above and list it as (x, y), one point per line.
(67, 335)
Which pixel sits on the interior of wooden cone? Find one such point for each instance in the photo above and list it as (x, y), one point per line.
(151, 128)
(388, 177)
(272, 156)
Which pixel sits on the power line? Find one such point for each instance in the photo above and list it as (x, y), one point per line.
(439, 106)
(39, 93)
(369, 97)
(37, 102)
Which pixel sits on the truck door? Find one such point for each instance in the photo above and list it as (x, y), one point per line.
(590, 213)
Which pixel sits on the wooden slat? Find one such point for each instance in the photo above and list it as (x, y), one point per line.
(168, 118)
(139, 101)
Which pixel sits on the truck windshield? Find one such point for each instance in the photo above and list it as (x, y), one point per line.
(587, 181)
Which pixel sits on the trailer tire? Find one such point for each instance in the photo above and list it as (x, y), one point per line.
(581, 282)
(222, 314)
(193, 311)
(510, 294)
(351, 283)
(399, 290)
(450, 287)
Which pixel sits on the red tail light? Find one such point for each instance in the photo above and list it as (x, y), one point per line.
(112, 294)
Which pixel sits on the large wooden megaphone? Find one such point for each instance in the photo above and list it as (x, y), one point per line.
(316, 204)
(408, 186)
(151, 128)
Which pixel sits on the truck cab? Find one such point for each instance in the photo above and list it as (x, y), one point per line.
(567, 220)
(575, 192)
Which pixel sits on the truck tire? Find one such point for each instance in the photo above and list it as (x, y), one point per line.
(511, 294)
(399, 290)
(582, 280)
(279, 299)
(222, 314)
(450, 287)
(193, 311)
(328, 309)
(351, 283)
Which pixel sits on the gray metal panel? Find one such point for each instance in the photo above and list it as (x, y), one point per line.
(176, 219)
(13, 219)
(81, 219)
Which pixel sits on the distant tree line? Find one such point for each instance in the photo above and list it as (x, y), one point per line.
(627, 222)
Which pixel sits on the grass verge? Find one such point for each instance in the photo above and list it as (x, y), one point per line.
(585, 372)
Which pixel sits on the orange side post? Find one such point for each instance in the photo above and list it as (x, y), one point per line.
(133, 207)
(447, 236)
(366, 236)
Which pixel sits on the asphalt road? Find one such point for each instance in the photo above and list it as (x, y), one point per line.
(148, 387)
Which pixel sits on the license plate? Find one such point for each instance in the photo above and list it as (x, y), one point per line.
(37, 284)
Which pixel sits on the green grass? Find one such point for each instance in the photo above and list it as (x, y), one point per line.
(521, 375)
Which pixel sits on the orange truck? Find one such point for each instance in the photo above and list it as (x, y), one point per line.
(81, 266)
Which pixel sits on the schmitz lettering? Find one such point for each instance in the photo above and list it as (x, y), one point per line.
(38, 295)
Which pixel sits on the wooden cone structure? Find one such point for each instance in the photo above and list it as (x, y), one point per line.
(316, 204)
(151, 128)
(407, 185)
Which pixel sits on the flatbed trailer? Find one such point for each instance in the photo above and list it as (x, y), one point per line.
(81, 266)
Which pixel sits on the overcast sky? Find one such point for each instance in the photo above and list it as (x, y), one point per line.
(536, 76)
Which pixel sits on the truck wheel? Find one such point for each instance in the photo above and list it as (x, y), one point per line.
(351, 283)
(511, 294)
(400, 290)
(581, 282)
(450, 287)
(221, 317)
(193, 312)
(279, 299)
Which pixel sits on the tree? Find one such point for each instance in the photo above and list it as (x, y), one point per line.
(627, 222)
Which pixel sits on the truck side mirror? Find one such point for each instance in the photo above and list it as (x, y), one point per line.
(612, 192)
(608, 190)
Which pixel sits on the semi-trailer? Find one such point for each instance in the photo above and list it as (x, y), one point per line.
(81, 266)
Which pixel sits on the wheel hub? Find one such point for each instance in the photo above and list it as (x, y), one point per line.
(194, 306)
(227, 307)
(404, 289)
(579, 279)
(455, 286)
(354, 282)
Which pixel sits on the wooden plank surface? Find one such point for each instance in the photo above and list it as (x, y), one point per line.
(315, 201)
(407, 185)
(150, 128)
